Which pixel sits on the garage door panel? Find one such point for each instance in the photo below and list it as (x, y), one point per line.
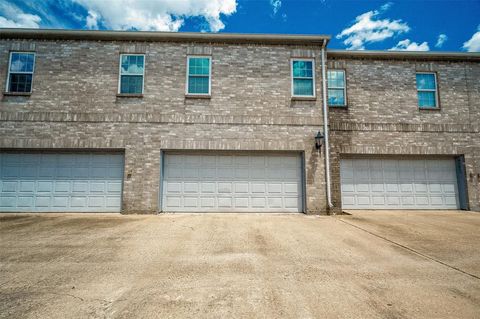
(27, 186)
(60, 201)
(274, 188)
(44, 186)
(114, 187)
(207, 202)
(241, 187)
(61, 182)
(292, 202)
(420, 187)
(190, 201)
(42, 201)
(363, 200)
(291, 188)
(8, 201)
(174, 201)
(242, 160)
(225, 188)
(377, 187)
(9, 186)
(208, 187)
(378, 200)
(226, 174)
(233, 182)
(97, 187)
(399, 183)
(422, 200)
(241, 202)
(448, 189)
(258, 188)
(191, 188)
(348, 186)
(190, 172)
(259, 202)
(275, 202)
(224, 202)
(451, 201)
(207, 173)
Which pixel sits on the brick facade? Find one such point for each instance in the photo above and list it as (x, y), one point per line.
(382, 117)
(74, 105)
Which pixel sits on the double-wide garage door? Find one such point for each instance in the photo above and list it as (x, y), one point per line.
(61, 182)
(369, 183)
(232, 183)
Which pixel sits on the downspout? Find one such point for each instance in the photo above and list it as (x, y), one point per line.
(325, 129)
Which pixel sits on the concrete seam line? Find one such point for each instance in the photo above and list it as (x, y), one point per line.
(412, 250)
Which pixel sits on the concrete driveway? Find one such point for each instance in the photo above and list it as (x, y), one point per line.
(367, 265)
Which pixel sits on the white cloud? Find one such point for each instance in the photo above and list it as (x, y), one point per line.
(407, 45)
(473, 45)
(442, 38)
(13, 17)
(276, 5)
(368, 28)
(92, 20)
(158, 15)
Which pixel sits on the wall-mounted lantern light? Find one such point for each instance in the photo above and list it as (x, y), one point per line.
(319, 140)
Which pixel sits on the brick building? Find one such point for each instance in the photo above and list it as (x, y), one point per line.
(143, 122)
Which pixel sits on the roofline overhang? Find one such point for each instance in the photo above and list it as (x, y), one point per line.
(155, 36)
(405, 55)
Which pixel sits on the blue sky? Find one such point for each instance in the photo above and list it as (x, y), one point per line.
(433, 25)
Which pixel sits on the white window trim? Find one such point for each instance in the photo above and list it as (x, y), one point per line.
(312, 78)
(209, 75)
(120, 72)
(344, 88)
(428, 90)
(7, 89)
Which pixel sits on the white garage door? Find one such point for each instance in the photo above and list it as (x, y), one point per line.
(61, 182)
(232, 183)
(399, 184)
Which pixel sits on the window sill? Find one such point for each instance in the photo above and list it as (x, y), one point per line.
(339, 107)
(198, 96)
(304, 98)
(17, 93)
(129, 95)
(429, 108)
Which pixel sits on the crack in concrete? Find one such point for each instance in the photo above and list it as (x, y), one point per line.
(412, 250)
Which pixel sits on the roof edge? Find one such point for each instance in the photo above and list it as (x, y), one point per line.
(156, 36)
(405, 55)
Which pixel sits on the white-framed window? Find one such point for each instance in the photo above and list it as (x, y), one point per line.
(21, 66)
(132, 74)
(337, 95)
(303, 77)
(199, 75)
(427, 90)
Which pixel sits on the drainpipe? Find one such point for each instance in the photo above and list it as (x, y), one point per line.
(325, 129)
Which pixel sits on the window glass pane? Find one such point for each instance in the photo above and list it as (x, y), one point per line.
(20, 83)
(336, 97)
(425, 81)
(336, 79)
(131, 84)
(132, 64)
(199, 66)
(303, 87)
(198, 85)
(302, 69)
(22, 62)
(426, 99)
